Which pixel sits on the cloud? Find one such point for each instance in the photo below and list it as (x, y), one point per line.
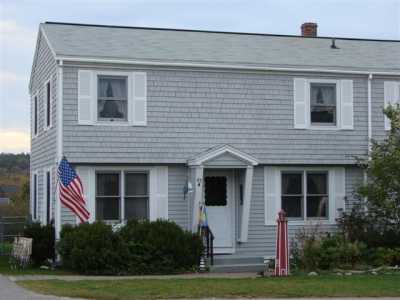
(14, 35)
(10, 77)
(14, 141)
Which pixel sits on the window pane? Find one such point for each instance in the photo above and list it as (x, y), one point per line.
(112, 97)
(317, 206)
(48, 105)
(136, 184)
(292, 184)
(293, 206)
(107, 208)
(107, 184)
(317, 183)
(35, 125)
(48, 196)
(323, 103)
(136, 208)
(215, 191)
(112, 87)
(112, 109)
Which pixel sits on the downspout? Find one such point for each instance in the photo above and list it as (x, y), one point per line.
(369, 126)
(59, 143)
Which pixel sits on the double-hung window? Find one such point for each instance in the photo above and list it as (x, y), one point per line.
(323, 104)
(122, 195)
(112, 98)
(48, 196)
(47, 104)
(35, 196)
(35, 115)
(304, 194)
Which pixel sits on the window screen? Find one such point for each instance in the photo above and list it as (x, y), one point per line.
(317, 195)
(112, 94)
(292, 194)
(107, 196)
(323, 103)
(136, 196)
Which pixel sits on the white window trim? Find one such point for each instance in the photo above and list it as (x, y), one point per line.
(45, 127)
(129, 86)
(121, 171)
(44, 210)
(35, 117)
(331, 198)
(33, 189)
(337, 125)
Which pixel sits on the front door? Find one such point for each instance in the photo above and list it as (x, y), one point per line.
(218, 198)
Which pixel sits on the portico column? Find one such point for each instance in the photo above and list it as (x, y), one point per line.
(246, 204)
(198, 195)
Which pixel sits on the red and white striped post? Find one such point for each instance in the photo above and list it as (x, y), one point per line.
(282, 246)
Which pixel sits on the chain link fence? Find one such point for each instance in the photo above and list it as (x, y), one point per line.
(10, 227)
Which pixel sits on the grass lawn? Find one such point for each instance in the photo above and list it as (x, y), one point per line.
(5, 269)
(296, 286)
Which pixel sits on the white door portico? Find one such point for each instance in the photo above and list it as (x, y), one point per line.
(212, 177)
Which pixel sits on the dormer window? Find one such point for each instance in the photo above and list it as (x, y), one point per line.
(112, 100)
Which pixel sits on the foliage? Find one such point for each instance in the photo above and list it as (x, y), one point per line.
(10, 162)
(43, 241)
(326, 251)
(92, 249)
(160, 247)
(383, 187)
(19, 205)
(141, 247)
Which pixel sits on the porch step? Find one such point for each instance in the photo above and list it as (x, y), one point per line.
(231, 264)
(237, 268)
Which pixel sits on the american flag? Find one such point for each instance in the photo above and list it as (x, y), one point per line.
(71, 190)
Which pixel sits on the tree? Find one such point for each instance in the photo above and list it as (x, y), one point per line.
(383, 169)
(377, 220)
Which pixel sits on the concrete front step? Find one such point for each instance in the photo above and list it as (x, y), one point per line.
(232, 263)
(237, 268)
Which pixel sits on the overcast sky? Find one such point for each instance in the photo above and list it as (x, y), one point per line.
(19, 21)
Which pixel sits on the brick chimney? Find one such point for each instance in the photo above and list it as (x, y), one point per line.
(309, 29)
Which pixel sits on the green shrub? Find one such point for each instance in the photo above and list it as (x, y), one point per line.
(140, 247)
(160, 247)
(327, 251)
(43, 241)
(92, 249)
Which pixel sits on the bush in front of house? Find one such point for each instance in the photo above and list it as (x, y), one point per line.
(92, 249)
(140, 247)
(326, 251)
(160, 247)
(43, 241)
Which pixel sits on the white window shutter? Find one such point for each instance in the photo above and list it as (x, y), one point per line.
(272, 194)
(338, 194)
(86, 97)
(346, 97)
(85, 174)
(391, 97)
(300, 103)
(159, 193)
(139, 114)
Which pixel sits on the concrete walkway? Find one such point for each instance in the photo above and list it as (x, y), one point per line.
(10, 291)
(180, 276)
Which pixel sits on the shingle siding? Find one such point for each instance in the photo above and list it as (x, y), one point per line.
(261, 238)
(191, 111)
(43, 146)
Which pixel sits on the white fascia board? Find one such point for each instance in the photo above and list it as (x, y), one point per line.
(219, 66)
(219, 151)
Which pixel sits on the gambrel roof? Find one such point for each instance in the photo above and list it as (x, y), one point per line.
(95, 42)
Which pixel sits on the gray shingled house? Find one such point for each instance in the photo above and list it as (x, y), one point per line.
(156, 121)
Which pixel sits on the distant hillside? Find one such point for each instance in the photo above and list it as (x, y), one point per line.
(14, 163)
